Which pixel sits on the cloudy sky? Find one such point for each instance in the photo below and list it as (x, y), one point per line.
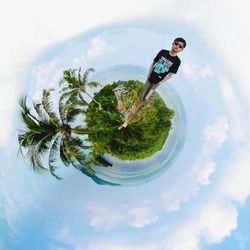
(201, 201)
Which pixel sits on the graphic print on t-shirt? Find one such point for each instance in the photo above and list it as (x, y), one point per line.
(162, 65)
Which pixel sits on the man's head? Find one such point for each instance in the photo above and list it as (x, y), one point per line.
(179, 43)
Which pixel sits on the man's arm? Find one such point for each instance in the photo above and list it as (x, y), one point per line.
(150, 69)
(167, 77)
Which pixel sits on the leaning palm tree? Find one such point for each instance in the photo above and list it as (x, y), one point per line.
(75, 86)
(48, 134)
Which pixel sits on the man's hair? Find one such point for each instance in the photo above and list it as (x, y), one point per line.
(180, 39)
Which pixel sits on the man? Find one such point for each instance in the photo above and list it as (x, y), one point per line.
(164, 66)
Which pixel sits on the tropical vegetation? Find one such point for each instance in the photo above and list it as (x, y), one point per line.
(81, 132)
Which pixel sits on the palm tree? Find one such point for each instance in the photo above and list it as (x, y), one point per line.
(50, 135)
(75, 86)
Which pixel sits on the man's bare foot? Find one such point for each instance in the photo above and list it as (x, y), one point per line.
(124, 125)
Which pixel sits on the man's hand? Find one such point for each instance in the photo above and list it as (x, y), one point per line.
(167, 77)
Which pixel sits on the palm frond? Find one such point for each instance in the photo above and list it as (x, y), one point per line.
(64, 154)
(68, 94)
(40, 112)
(47, 106)
(85, 76)
(79, 130)
(35, 160)
(76, 152)
(79, 142)
(29, 121)
(25, 110)
(64, 105)
(36, 140)
(70, 78)
(79, 75)
(39, 150)
(65, 89)
(23, 105)
(52, 156)
(72, 114)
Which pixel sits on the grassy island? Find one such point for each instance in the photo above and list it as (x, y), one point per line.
(140, 139)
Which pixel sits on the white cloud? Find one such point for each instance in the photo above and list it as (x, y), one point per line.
(214, 134)
(217, 219)
(226, 41)
(211, 221)
(47, 76)
(202, 175)
(8, 106)
(66, 236)
(183, 237)
(239, 124)
(102, 217)
(194, 71)
(142, 216)
(97, 48)
(174, 197)
(234, 184)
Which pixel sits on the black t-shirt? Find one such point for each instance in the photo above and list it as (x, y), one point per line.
(164, 64)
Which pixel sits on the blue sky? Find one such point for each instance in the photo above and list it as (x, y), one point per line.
(201, 201)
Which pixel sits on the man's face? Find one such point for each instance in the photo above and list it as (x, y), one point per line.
(177, 46)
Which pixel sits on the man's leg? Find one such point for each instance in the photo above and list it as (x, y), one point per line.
(146, 89)
(145, 94)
